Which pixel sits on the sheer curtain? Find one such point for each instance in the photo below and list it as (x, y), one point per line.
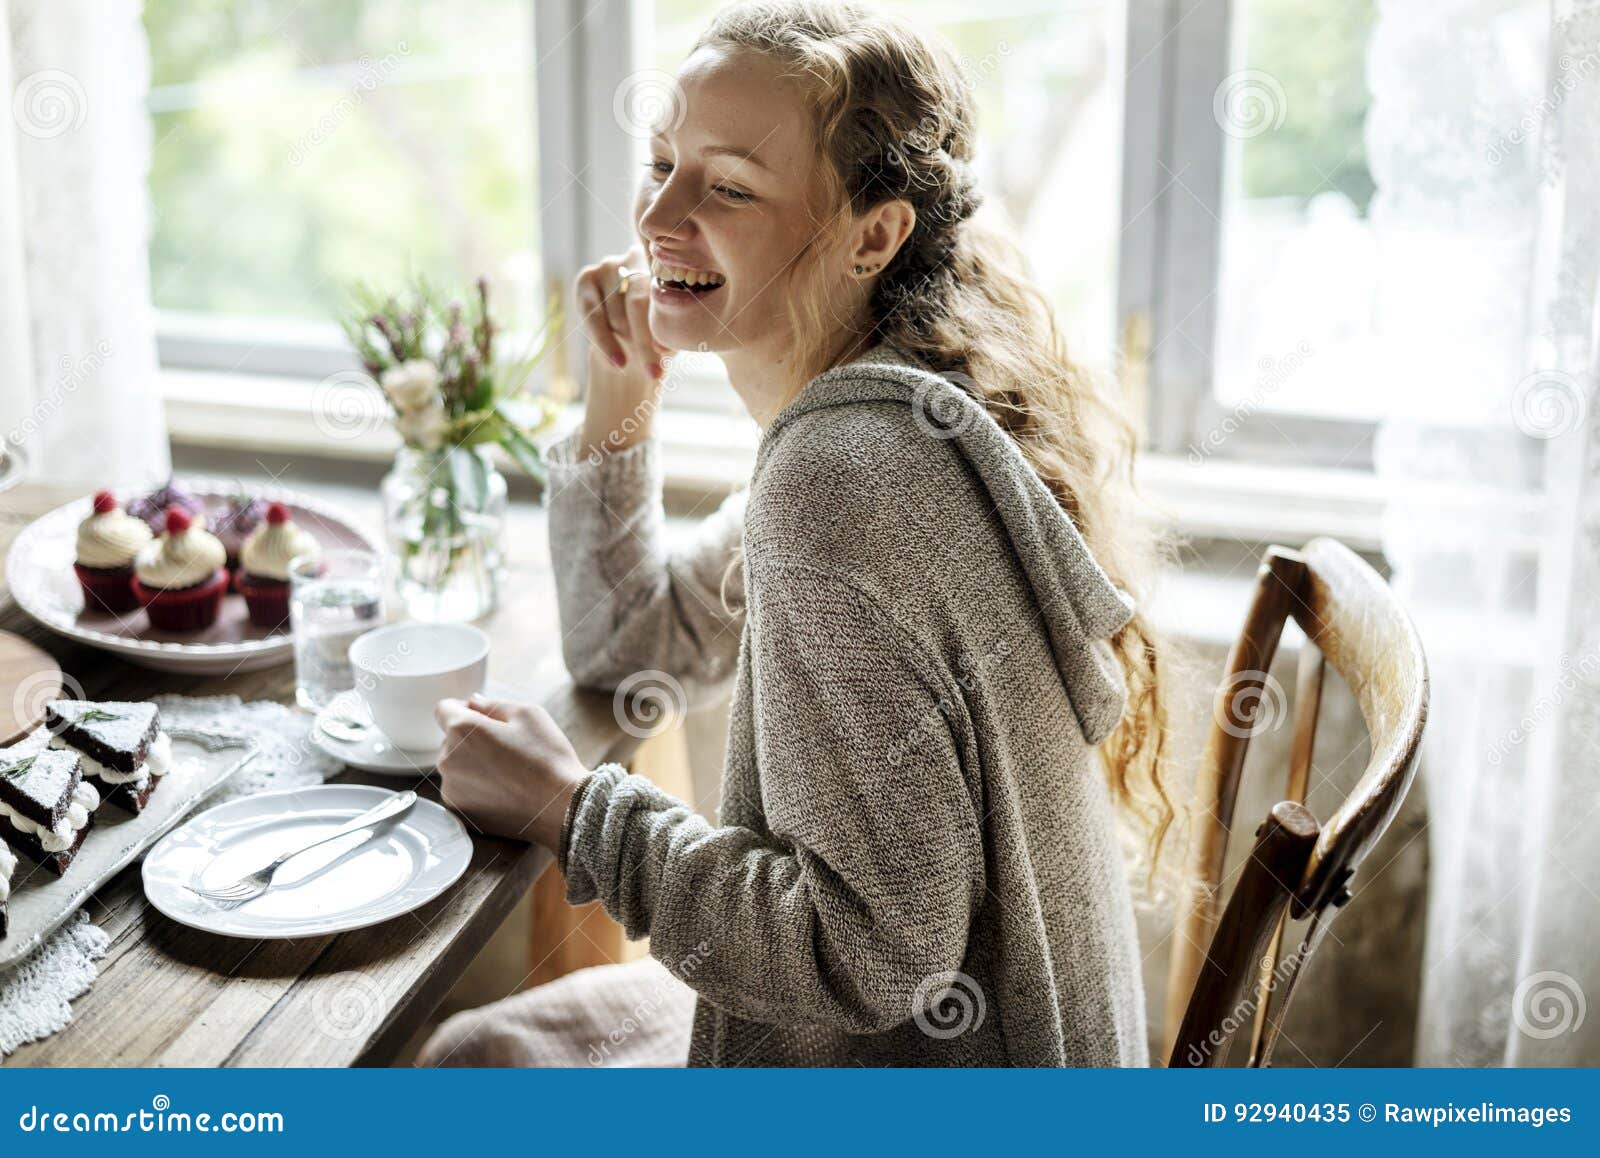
(78, 388)
(1484, 140)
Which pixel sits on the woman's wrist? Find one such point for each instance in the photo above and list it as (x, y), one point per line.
(569, 817)
(549, 826)
(608, 430)
(620, 406)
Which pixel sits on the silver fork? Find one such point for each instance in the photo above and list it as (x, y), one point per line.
(253, 884)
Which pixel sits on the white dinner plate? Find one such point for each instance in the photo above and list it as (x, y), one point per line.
(351, 883)
(345, 731)
(39, 573)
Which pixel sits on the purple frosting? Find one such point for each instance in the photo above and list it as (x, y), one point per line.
(232, 520)
(152, 508)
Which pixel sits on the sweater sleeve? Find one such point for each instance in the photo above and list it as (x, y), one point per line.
(630, 599)
(864, 889)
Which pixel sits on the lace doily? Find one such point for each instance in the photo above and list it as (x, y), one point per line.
(36, 995)
(288, 758)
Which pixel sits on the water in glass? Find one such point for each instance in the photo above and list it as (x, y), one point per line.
(330, 603)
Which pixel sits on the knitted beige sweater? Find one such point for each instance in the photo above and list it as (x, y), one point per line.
(914, 861)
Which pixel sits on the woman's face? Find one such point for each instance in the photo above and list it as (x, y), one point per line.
(725, 204)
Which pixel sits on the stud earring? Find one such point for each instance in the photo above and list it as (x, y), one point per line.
(859, 270)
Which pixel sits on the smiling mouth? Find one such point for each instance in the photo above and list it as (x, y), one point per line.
(677, 277)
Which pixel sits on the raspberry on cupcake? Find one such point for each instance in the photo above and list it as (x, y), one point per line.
(264, 565)
(180, 577)
(108, 541)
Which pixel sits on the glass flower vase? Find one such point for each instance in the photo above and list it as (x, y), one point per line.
(444, 517)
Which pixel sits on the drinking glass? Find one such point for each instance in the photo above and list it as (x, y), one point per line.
(332, 599)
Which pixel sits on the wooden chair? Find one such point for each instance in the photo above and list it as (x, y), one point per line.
(1298, 868)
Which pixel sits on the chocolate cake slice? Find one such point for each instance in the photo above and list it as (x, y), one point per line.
(8, 865)
(125, 753)
(46, 807)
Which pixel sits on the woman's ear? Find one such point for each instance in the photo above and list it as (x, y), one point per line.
(879, 234)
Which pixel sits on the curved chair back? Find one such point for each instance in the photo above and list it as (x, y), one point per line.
(1298, 867)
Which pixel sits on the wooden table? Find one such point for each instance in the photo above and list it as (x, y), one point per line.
(170, 995)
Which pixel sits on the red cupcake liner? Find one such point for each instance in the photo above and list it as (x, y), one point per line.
(183, 608)
(107, 589)
(267, 599)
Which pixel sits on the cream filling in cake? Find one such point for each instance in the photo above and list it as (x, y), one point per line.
(65, 834)
(156, 762)
(8, 865)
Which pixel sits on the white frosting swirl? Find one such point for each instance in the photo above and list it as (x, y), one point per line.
(111, 539)
(185, 559)
(157, 760)
(8, 865)
(271, 547)
(85, 799)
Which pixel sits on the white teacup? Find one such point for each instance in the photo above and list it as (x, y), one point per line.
(404, 669)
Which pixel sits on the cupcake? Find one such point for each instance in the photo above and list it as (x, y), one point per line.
(153, 507)
(108, 541)
(180, 578)
(232, 520)
(264, 565)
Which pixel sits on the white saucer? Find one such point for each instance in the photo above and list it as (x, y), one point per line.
(352, 883)
(374, 752)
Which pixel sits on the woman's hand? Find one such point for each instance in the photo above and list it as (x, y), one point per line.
(507, 768)
(625, 361)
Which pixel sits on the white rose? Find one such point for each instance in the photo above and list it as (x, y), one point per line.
(412, 384)
(423, 427)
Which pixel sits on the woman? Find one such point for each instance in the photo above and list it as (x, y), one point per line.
(921, 599)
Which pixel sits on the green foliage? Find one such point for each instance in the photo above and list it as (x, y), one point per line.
(520, 447)
(468, 407)
(300, 145)
(15, 771)
(470, 477)
(1316, 49)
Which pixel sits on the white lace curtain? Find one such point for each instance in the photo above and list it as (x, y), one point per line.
(78, 389)
(1484, 141)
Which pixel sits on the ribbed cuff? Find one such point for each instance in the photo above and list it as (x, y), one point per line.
(571, 826)
(632, 468)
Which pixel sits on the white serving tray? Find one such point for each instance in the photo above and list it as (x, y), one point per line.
(41, 901)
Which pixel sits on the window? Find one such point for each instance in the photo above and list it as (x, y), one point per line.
(1187, 178)
(1298, 262)
(1249, 266)
(293, 143)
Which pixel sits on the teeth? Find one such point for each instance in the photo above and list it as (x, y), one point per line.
(663, 272)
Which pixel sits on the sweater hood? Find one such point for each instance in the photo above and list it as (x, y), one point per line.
(1080, 606)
